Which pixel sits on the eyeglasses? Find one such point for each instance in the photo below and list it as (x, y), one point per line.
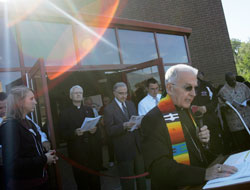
(188, 88)
(77, 92)
(122, 93)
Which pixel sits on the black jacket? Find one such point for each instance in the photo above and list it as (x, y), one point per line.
(125, 143)
(165, 172)
(23, 157)
(83, 149)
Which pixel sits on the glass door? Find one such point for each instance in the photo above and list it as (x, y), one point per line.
(37, 81)
(136, 75)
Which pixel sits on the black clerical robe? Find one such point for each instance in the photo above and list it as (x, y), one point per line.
(165, 172)
(84, 149)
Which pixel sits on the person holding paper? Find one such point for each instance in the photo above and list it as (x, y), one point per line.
(127, 145)
(81, 144)
(172, 143)
(152, 99)
(236, 93)
(89, 102)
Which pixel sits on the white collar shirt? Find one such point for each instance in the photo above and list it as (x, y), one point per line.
(147, 103)
(120, 103)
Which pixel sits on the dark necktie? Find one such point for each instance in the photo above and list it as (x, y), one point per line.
(156, 101)
(125, 110)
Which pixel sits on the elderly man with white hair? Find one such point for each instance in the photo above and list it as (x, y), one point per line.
(82, 145)
(172, 142)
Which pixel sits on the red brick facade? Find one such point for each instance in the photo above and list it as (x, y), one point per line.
(209, 41)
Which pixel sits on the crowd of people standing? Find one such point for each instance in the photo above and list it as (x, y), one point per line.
(170, 143)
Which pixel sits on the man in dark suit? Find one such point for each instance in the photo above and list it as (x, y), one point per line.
(172, 143)
(127, 145)
(82, 145)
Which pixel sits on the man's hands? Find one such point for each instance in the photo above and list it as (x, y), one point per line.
(51, 157)
(219, 170)
(46, 145)
(203, 134)
(128, 125)
(201, 109)
(80, 132)
(92, 131)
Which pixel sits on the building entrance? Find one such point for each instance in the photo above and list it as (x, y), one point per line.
(53, 95)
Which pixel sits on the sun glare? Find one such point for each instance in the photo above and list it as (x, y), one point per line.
(106, 8)
(94, 36)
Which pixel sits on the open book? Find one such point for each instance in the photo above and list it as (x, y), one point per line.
(136, 120)
(242, 162)
(90, 122)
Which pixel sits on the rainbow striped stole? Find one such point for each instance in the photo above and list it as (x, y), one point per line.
(173, 123)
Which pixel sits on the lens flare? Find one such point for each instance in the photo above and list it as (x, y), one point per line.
(86, 44)
(21, 9)
(59, 52)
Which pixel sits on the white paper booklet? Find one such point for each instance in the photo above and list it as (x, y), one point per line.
(136, 120)
(89, 123)
(242, 162)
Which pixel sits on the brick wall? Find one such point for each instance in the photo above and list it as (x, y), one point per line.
(209, 41)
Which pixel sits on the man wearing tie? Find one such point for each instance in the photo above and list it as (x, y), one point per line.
(127, 145)
(152, 99)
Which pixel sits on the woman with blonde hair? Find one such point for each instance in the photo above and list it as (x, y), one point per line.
(24, 161)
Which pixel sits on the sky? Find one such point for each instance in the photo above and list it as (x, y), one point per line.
(237, 13)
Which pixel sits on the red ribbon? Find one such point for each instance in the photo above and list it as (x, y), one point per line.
(83, 168)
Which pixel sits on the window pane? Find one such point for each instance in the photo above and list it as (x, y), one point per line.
(137, 82)
(9, 79)
(8, 47)
(140, 76)
(97, 52)
(137, 47)
(172, 48)
(51, 41)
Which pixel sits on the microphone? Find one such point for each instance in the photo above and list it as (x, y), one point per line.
(198, 115)
(199, 118)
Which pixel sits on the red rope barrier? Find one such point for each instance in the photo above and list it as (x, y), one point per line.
(83, 168)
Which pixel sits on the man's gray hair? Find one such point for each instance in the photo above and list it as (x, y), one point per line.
(119, 84)
(73, 88)
(172, 73)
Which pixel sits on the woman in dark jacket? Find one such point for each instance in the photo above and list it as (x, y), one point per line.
(24, 161)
